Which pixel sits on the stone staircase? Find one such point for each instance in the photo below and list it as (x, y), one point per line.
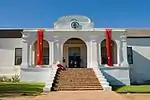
(73, 79)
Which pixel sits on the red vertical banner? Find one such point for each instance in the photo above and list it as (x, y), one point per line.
(39, 47)
(108, 35)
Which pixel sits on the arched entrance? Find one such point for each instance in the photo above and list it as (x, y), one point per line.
(104, 54)
(75, 53)
(45, 57)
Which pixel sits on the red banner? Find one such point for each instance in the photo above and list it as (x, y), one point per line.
(39, 47)
(108, 35)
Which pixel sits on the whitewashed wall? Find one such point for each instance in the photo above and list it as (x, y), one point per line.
(7, 55)
(140, 69)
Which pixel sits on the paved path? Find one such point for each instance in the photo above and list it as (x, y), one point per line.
(81, 95)
(138, 96)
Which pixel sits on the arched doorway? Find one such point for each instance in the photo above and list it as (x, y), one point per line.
(104, 53)
(45, 57)
(75, 53)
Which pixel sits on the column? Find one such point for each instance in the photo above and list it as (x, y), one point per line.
(99, 53)
(118, 53)
(51, 53)
(57, 51)
(88, 54)
(25, 51)
(30, 55)
(94, 54)
(52, 50)
(124, 50)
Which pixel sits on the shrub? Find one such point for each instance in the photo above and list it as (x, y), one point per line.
(1, 79)
(14, 78)
(4, 79)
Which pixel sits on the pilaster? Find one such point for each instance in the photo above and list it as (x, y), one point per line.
(124, 50)
(57, 50)
(25, 51)
(51, 53)
(30, 55)
(94, 53)
(99, 53)
(118, 53)
(88, 55)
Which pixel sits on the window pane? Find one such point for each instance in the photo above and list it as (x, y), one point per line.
(45, 60)
(18, 56)
(130, 55)
(18, 52)
(103, 55)
(45, 56)
(18, 60)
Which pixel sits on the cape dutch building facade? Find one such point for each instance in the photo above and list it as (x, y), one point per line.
(121, 55)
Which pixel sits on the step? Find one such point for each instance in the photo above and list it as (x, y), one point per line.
(79, 87)
(69, 80)
(77, 79)
(77, 84)
(82, 82)
(63, 71)
(79, 68)
(77, 73)
(76, 89)
(72, 77)
(77, 76)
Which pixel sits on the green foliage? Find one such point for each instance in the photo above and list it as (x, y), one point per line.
(21, 87)
(132, 89)
(14, 78)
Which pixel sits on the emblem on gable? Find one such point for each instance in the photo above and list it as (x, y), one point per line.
(75, 24)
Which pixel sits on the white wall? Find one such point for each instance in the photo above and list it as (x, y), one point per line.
(140, 69)
(7, 55)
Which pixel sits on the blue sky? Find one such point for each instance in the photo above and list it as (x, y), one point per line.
(104, 13)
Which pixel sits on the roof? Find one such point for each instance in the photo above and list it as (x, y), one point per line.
(5, 33)
(138, 32)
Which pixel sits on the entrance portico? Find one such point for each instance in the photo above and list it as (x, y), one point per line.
(91, 50)
(81, 46)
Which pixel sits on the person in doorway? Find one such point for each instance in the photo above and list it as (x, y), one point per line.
(64, 62)
(71, 64)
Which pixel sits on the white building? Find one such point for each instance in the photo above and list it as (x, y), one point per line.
(75, 36)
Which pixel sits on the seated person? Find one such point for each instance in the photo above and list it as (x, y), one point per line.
(60, 66)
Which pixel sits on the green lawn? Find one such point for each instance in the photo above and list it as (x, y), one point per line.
(21, 87)
(132, 89)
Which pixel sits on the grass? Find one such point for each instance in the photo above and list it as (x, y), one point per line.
(132, 89)
(21, 87)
